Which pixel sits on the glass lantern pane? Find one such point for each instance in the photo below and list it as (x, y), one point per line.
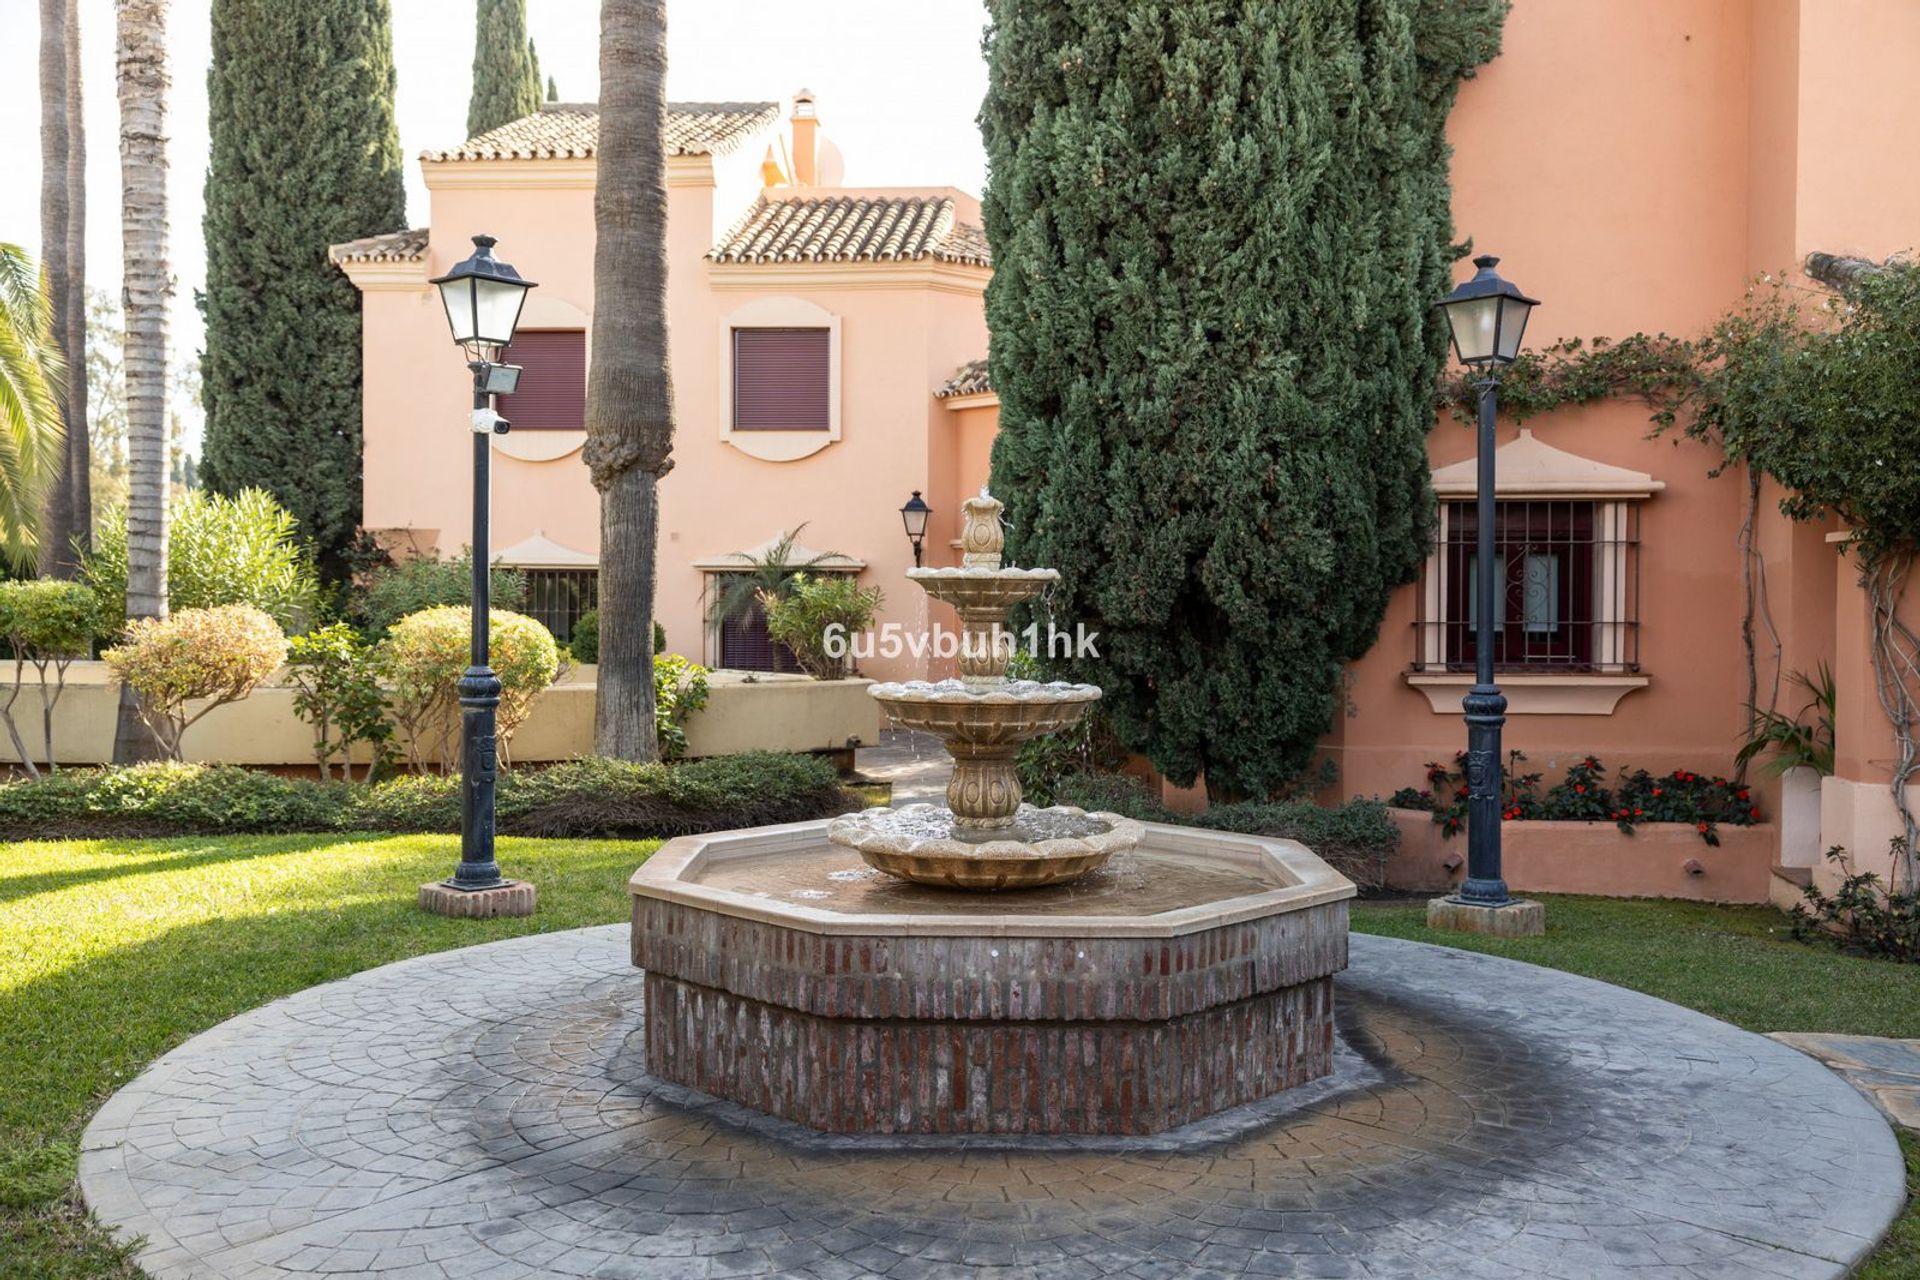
(457, 295)
(1513, 326)
(1473, 328)
(499, 311)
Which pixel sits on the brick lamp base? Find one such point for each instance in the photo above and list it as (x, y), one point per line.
(514, 898)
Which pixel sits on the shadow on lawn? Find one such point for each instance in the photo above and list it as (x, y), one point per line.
(193, 851)
(69, 1038)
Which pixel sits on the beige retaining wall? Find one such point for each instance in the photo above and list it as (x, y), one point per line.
(1659, 860)
(743, 713)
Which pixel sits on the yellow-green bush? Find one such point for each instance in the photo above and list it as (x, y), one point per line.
(206, 656)
(420, 661)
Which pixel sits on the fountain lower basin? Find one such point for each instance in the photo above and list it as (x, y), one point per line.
(1190, 974)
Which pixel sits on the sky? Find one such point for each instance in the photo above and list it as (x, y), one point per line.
(898, 84)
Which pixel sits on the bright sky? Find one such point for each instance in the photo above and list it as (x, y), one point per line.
(898, 84)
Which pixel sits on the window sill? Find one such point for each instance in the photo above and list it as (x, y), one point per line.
(1571, 693)
(780, 446)
(538, 444)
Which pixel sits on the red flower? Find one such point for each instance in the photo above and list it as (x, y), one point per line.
(1639, 813)
(1581, 789)
(1703, 828)
(1742, 796)
(1656, 791)
(1754, 814)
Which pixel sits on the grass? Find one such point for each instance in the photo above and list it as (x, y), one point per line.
(114, 951)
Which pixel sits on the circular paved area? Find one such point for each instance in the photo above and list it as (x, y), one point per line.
(482, 1115)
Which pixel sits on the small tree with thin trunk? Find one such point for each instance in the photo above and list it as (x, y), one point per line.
(181, 668)
(629, 389)
(47, 624)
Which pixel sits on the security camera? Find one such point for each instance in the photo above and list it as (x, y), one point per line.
(486, 421)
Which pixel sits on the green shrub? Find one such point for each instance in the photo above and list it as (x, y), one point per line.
(239, 550)
(1356, 838)
(47, 624)
(165, 798)
(391, 592)
(182, 667)
(337, 691)
(816, 617)
(679, 690)
(1862, 917)
(585, 644)
(596, 798)
(420, 662)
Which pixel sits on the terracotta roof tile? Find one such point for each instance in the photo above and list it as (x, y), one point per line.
(571, 131)
(970, 379)
(852, 228)
(395, 246)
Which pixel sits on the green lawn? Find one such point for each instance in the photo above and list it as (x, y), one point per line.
(112, 952)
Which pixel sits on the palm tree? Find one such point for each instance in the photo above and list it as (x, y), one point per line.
(77, 476)
(30, 427)
(629, 388)
(770, 573)
(58, 524)
(141, 57)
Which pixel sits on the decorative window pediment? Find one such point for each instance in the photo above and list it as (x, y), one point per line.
(1528, 467)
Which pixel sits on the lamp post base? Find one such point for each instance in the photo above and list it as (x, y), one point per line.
(1514, 918)
(508, 898)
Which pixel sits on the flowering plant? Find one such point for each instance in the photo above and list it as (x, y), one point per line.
(206, 656)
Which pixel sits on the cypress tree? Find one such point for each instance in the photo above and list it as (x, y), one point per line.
(506, 71)
(304, 153)
(1219, 227)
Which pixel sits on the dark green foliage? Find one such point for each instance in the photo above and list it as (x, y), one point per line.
(390, 592)
(1862, 917)
(167, 798)
(304, 153)
(584, 647)
(1356, 838)
(602, 798)
(506, 71)
(1219, 229)
(581, 798)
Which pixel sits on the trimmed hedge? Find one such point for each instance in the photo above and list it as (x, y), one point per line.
(581, 799)
(1356, 838)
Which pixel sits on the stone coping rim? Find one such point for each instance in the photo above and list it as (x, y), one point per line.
(981, 573)
(664, 876)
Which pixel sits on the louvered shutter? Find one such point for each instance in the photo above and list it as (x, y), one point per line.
(553, 388)
(780, 379)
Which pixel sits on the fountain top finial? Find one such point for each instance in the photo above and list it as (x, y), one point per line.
(983, 537)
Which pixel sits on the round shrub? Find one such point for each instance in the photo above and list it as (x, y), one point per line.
(585, 645)
(206, 656)
(421, 660)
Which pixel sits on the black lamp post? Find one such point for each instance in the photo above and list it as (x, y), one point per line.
(1487, 317)
(914, 516)
(483, 297)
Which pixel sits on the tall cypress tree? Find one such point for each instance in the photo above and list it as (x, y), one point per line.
(506, 71)
(304, 154)
(1219, 227)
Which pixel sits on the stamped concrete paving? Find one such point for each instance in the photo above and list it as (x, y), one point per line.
(482, 1115)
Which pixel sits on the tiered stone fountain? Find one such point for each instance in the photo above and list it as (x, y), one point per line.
(985, 838)
(986, 966)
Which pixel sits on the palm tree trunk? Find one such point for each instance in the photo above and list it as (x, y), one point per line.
(79, 469)
(57, 524)
(142, 83)
(629, 386)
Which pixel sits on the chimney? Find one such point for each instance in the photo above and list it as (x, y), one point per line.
(806, 128)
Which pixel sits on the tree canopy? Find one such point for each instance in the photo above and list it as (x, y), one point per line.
(1219, 228)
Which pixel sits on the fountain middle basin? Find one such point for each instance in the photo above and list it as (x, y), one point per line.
(1190, 974)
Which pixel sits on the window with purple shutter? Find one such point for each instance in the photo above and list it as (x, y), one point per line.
(553, 390)
(781, 379)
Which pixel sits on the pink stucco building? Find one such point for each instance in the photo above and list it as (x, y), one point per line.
(812, 325)
(1637, 164)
